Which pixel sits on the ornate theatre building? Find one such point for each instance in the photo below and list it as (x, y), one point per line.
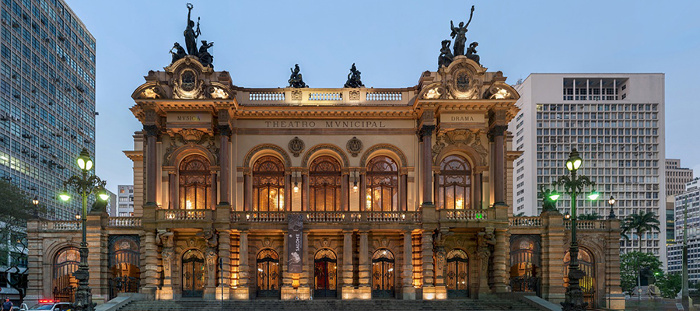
(345, 193)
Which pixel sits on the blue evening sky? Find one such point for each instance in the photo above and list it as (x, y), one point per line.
(392, 42)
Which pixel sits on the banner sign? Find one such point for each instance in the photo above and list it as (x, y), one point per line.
(294, 243)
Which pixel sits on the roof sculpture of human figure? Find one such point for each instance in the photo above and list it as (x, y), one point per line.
(178, 52)
(295, 80)
(460, 34)
(354, 80)
(190, 33)
(204, 56)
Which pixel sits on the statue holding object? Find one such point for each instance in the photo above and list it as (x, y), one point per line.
(295, 80)
(460, 34)
(190, 33)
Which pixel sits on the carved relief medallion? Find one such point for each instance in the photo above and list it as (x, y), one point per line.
(354, 95)
(296, 146)
(462, 81)
(354, 146)
(296, 95)
(188, 80)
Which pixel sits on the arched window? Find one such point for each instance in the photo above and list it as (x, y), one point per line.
(268, 184)
(454, 183)
(64, 283)
(195, 183)
(324, 184)
(382, 184)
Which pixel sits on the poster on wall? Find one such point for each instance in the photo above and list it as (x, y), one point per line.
(294, 240)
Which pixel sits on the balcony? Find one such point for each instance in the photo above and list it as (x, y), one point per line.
(124, 222)
(328, 217)
(184, 214)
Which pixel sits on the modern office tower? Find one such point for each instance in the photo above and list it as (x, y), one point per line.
(125, 198)
(47, 99)
(616, 122)
(676, 177)
(687, 201)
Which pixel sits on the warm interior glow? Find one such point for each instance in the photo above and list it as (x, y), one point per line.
(188, 204)
(369, 201)
(459, 204)
(296, 187)
(354, 187)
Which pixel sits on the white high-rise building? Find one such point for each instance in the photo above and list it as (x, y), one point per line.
(125, 201)
(687, 202)
(616, 122)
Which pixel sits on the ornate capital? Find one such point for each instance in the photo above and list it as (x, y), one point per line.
(224, 130)
(426, 130)
(497, 130)
(150, 130)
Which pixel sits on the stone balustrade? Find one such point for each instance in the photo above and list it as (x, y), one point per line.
(466, 214)
(586, 224)
(324, 96)
(328, 217)
(59, 225)
(183, 214)
(124, 222)
(533, 221)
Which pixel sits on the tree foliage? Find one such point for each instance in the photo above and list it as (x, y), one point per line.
(669, 284)
(631, 265)
(16, 208)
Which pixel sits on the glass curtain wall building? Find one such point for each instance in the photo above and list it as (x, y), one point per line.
(47, 98)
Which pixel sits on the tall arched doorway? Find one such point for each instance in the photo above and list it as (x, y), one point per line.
(64, 265)
(193, 273)
(457, 277)
(268, 274)
(525, 263)
(124, 265)
(325, 273)
(586, 263)
(383, 274)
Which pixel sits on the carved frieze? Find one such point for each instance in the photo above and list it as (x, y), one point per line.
(191, 137)
(460, 139)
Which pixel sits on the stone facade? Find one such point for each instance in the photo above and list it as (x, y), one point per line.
(403, 194)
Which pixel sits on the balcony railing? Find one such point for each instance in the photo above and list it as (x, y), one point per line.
(328, 217)
(586, 224)
(534, 221)
(127, 222)
(466, 214)
(60, 225)
(183, 214)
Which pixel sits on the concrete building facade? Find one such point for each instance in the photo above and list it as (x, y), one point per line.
(687, 202)
(47, 98)
(616, 122)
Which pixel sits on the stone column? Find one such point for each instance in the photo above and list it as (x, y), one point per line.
(242, 290)
(552, 252)
(500, 261)
(149, 276)
(172, 182)
(151, 163)
(306, 278)
(478, 192)
(97, 257)
(167, 254)
(365, 267)
(213, 189)
(211, 259)
(408, 291)
(426, 133)
(344, 183)
(497, 134)
(428, 268)
(305, 192)
(403, 191)
(347, 265)
(247, 191)
(287, 191)
(225, 269)
(224, 164)
(363, 192)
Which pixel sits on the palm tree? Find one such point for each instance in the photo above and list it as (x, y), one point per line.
(640, 223)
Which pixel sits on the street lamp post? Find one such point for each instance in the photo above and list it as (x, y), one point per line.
(611, 201)
(84, 184)
(573, 184)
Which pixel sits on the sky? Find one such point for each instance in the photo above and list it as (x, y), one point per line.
(392, 43)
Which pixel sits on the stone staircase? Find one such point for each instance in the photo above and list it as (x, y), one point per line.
(326, 305)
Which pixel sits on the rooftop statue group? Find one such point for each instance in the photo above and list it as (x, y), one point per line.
(191, 35)
(459, 34)
(354, 81)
